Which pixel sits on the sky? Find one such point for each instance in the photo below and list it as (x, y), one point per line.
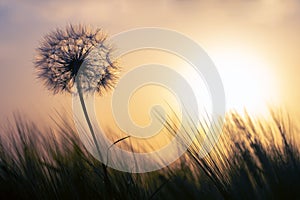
(254, 45)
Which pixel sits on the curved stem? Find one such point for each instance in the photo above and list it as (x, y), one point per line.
(82, 102)
(88, 119)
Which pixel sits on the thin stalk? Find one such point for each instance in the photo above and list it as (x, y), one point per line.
(82, 102)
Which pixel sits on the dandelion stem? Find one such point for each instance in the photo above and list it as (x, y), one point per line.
(82, 102)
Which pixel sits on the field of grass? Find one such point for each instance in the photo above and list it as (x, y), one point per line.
(253, 159)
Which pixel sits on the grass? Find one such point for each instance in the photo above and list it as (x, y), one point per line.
(253, 159)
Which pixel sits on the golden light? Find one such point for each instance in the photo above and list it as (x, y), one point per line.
(248, 79)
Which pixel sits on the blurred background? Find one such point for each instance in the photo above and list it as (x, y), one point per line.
(254, 45)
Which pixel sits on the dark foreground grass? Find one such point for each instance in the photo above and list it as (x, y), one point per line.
(254, 159)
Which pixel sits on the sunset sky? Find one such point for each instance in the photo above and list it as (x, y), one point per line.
(254, 45)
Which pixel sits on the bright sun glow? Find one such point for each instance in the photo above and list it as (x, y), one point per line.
(247, 78)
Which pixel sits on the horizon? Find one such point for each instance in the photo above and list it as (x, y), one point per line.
(256, 55)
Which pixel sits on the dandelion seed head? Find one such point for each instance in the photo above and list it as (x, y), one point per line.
(98, 72)
(76, 51)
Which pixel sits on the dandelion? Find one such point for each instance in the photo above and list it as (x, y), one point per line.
(63, 52)
(76, 59)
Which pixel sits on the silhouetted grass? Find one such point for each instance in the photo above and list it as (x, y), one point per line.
(253, 159)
